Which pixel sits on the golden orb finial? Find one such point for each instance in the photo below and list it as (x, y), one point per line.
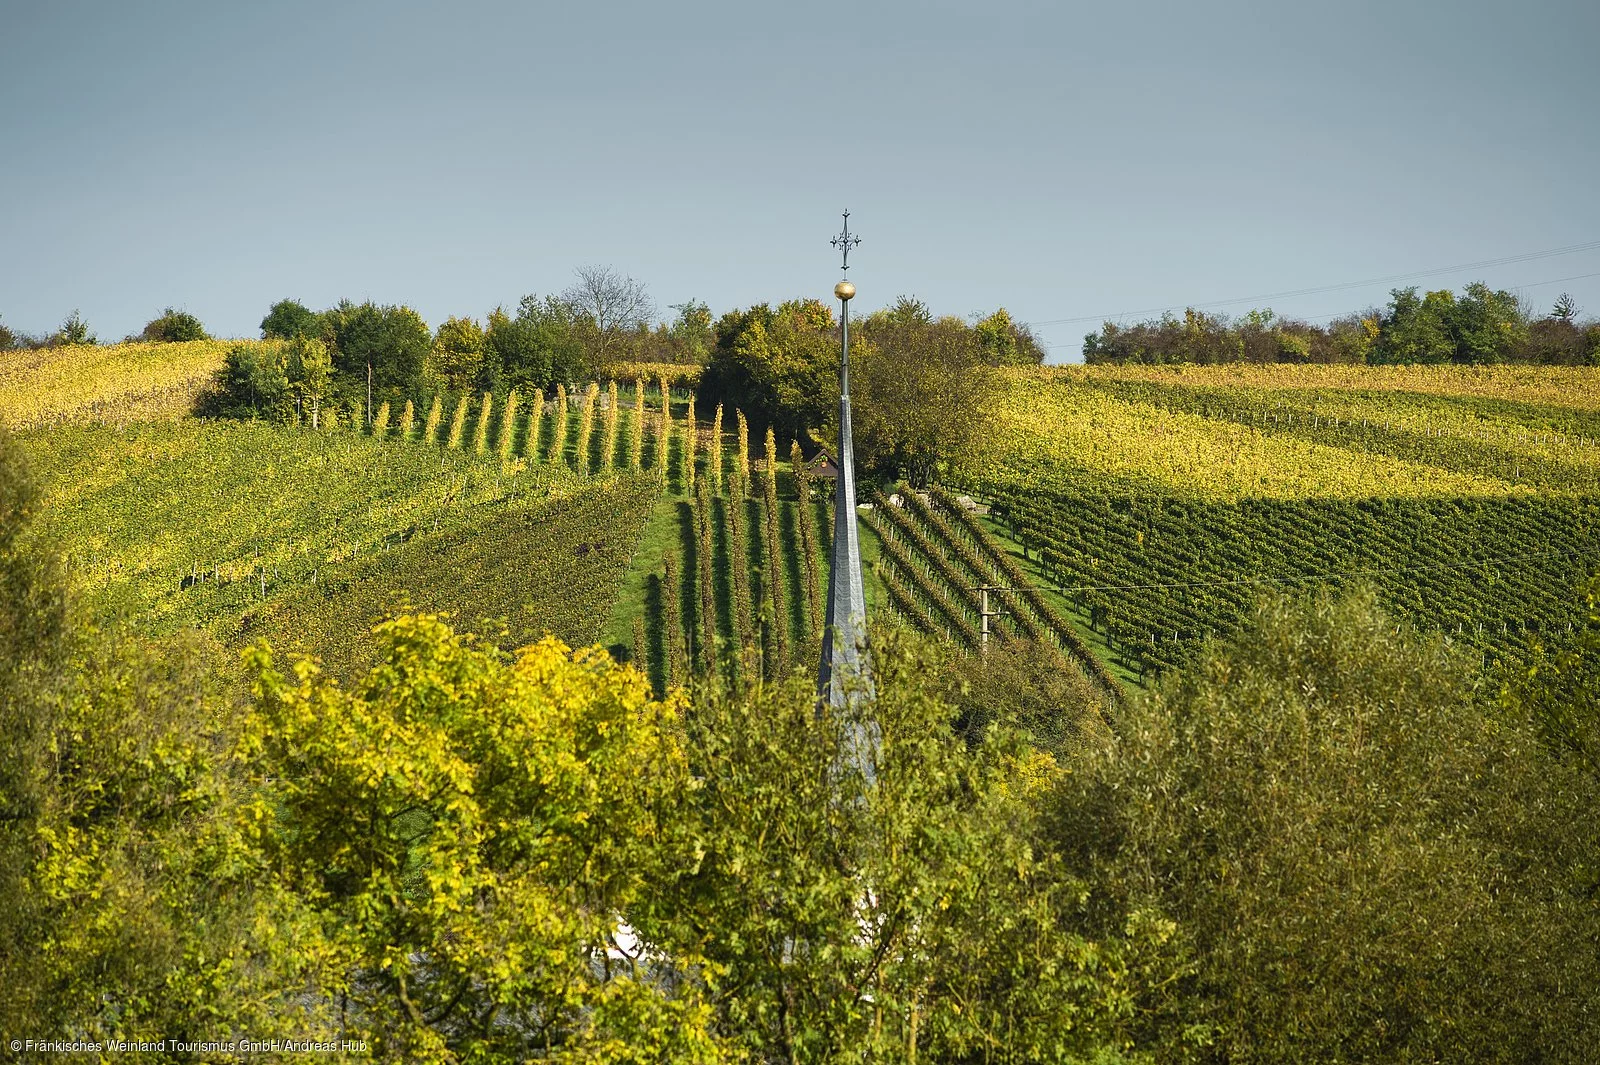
(844, 290)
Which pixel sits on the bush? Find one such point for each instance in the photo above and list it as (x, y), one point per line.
(1028, 685)
(255, 382)
(173, 327)
(1370, 867)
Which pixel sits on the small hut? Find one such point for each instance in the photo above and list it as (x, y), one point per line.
(823, 466)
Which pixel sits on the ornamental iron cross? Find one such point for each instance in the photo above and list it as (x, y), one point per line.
(845, 241)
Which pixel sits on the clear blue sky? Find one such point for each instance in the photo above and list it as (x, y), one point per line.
(1061, 160)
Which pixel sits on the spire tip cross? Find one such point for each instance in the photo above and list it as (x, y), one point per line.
(845, 241)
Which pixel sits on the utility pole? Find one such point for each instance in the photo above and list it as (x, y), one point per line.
(984, 613)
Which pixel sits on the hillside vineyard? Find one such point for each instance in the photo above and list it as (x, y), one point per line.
(1120, 515)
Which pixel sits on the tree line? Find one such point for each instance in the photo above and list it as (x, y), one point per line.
(922, 383)
(1480, 325)
(169, 327)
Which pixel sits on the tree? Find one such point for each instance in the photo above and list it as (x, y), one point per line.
(1026, 685)
(1565, 309)
(288, 319)
(465, 836)
(538, 348)
(608, 305)
(308, 368)
(173, 327)
(921, 391)
(121, 907)
(74, 330)
(8, 338)
(1367, 863)
(1007, 342)
(1416, 329)
(916, 917)
(458, 349)
(1350, 338)
(1558, 691)
(393, 340)
(691, 333)
(1487, 326)
(254, 378)
(779, 366)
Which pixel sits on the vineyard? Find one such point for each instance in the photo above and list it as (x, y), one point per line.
(1160, 505)
(250, 529)
(511, 572)
(1125, 513)
(114, 383)
(944, 571)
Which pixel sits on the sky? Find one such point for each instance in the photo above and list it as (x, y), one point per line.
(1066, 161)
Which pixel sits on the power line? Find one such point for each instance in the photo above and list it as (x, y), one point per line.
(1504, 260)
(1531, 284)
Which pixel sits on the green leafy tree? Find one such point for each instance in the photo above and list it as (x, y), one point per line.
(75, 331)
(1487, 326)
(780, 366)
(1350, 338)
(309, 369)
(1368, 865)
(920, 392)
(121, 906)
(288, 319)
(539, 347)
(1026, 685)
(394, 341)
(173, 327)
(1558, 690)
(913, 918)
(1007, 342)
(255, 379)
(1416, 329)
(691, 331)
(458, 349)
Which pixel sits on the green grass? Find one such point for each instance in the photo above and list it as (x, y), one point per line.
(669, 533)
